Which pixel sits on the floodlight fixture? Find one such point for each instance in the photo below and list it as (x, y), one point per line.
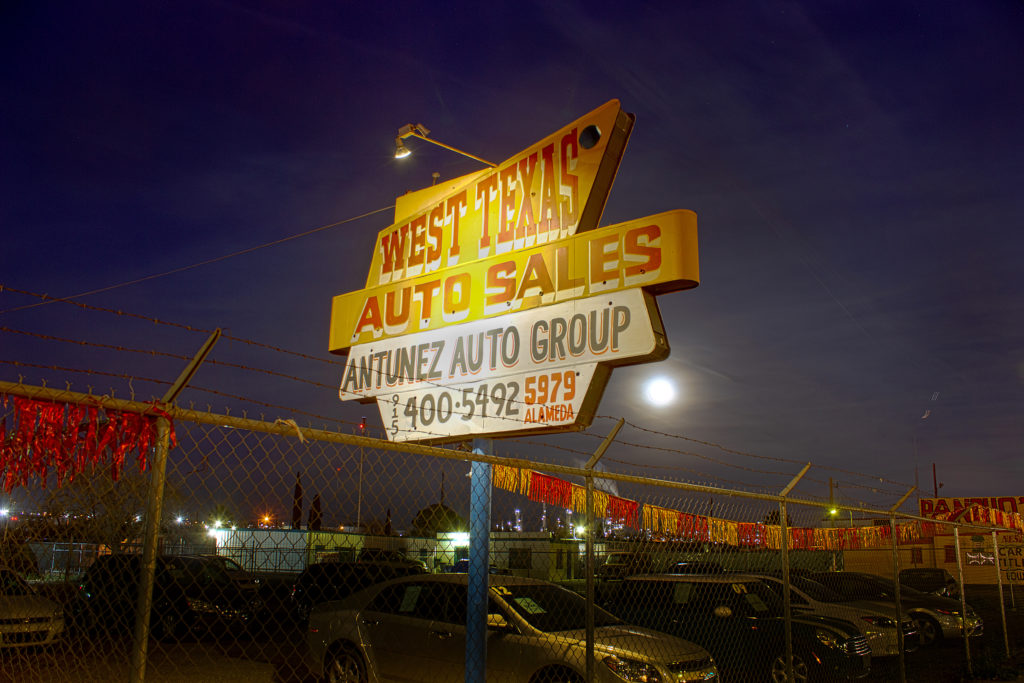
(401, 151)
(418, 130)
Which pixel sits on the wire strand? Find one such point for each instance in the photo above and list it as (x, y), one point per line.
(206, 262)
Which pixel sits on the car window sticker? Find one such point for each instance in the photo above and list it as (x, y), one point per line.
(528, 605)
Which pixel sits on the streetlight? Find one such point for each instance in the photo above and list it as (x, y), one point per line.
(418, 130)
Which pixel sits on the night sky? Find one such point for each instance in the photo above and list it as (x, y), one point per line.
(856, 169)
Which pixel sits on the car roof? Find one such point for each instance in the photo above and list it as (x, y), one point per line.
(696, 578)
(494, 579)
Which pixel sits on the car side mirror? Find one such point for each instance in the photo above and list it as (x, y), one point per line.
(498, 622)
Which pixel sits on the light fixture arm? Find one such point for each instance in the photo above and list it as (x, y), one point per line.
(418, 130)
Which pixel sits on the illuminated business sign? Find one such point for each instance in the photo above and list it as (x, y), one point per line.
(945, 508)
(495, 305)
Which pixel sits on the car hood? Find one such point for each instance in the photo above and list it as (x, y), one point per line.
(880, 607)
(636, 642)
(26, 607)
(925, 601)
(819, 620)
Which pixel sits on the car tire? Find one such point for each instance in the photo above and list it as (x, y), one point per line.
(344, 665)
(928, 631)
(801, 672)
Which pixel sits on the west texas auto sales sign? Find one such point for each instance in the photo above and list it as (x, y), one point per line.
(496, 305)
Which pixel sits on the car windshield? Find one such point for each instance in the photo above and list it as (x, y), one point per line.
(815, 590)
(889, 586)
(618, 558)
(551, 608)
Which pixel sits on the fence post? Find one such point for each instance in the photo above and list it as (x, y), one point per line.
(963, 599)
(899, 596)
(154, 512)
(900, 643)
(589, 565)
(479, 564)
(787, 604)
(999, 580)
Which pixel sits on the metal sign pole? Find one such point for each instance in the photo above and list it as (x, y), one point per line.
(479, 564)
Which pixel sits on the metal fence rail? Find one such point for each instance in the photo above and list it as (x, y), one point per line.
(299, 518)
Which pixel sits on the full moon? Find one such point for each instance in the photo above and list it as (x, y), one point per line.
(659, 391)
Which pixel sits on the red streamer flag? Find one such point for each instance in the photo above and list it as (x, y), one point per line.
(66, 439)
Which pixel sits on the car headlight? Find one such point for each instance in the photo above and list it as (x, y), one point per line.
(827, 638)
(885, 622)
(632, 670)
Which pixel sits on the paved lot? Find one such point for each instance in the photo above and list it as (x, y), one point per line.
(274, 653)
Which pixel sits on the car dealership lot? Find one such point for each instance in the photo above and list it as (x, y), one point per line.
(275, 652)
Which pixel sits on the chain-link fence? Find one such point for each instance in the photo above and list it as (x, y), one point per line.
(256, 550)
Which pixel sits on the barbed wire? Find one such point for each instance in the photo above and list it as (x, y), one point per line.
(488, 396)
(163, 354)
(158, 321)
(725, 449)
(205, 262)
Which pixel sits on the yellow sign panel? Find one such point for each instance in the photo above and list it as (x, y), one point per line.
(552, 190)
(448, 337)
(658, 253)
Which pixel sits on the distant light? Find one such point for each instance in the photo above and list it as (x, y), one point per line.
(4, 512)
(216, 523)
(180, 519)
(834, 511)
(659, 391)
(580, 530)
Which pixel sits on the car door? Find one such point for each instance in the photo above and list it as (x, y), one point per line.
(447, 640)
(396, 625)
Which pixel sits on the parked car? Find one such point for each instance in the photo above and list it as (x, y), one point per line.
(413, 629)
(190, 594)
(619, 565)
(935, 617)
(462, 567)
(927, 580)
(326, 581)
(875, 620)
(26, 618)
(240, 576)
(739, 620)
(390, 557)
(689, 567)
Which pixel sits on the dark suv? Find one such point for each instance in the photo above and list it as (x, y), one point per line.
(619, 565)
(189, 594)
(738, 619)
(327, 581)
